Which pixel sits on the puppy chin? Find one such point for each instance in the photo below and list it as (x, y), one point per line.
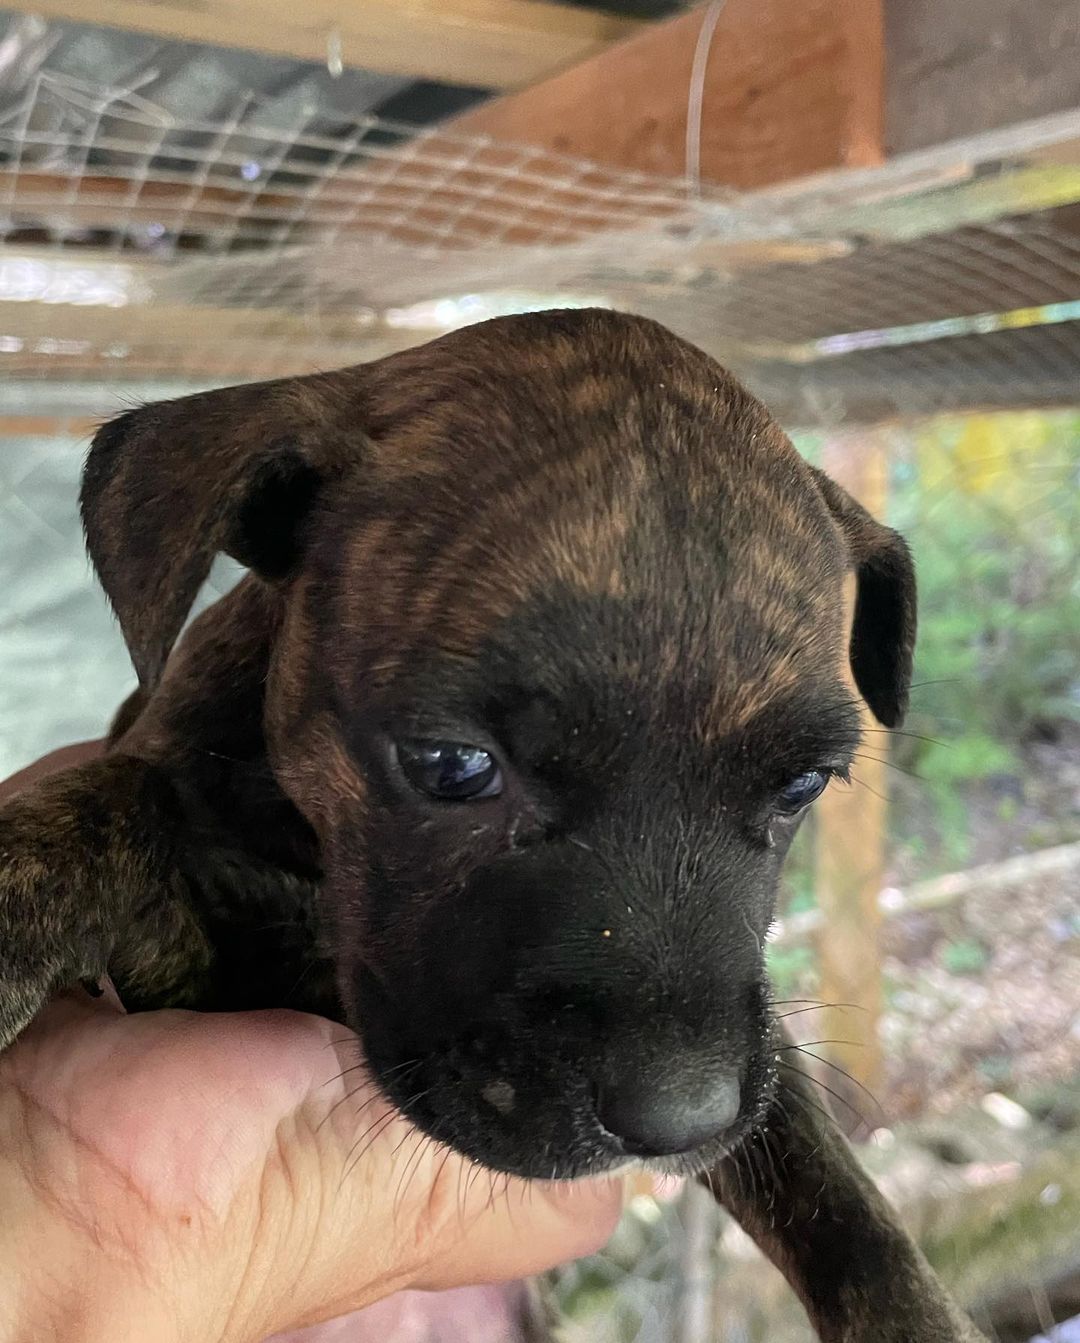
(683, 1166)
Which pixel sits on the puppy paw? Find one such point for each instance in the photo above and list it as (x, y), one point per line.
(90, 886)
(21, 998)
(56, 911)
(40, 951)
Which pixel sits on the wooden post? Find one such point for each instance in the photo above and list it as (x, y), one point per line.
(850, 849)
(790, 87)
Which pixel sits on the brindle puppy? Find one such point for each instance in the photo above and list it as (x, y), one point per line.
(495, 756)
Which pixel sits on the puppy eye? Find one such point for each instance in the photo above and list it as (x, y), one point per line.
(450, 770)
(800, 792)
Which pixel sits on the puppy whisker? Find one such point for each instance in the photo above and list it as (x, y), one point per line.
(823, 1086)
(835, 1067)
(820, 1007)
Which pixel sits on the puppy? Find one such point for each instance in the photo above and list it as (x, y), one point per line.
(495, 756)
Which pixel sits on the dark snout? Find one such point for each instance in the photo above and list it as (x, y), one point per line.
(584, 1011)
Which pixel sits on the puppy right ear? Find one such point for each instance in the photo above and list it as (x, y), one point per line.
(168, 486)
(883, 629)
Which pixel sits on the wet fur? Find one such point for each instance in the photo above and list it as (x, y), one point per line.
(570, 537)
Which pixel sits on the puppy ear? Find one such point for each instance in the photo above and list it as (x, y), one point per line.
(883, 628)
(168, 486)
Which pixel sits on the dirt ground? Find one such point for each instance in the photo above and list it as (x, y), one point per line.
(985, 996)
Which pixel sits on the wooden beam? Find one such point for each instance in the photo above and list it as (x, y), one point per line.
(849, 835)
(38, 202)
(199, 342)
(791, 87)
(937, 893)
(448, 191)
(496, 44)
(45, 426)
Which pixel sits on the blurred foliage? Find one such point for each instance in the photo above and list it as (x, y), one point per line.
(991, 506)
(997, 545)
(791, 970)
(628, 1292)
(964, 956)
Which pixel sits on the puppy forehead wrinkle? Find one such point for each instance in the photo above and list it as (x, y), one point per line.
(505, 487)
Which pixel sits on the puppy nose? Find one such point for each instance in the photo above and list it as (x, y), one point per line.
(652, 1120)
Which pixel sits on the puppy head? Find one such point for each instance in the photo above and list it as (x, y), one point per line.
(559, 667)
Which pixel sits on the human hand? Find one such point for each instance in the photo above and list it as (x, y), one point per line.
(187, 1176)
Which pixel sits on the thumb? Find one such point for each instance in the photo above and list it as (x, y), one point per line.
(515, 1228)
(358, 1204)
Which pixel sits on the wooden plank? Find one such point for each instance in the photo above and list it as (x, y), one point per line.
(938, 893)
(791, 87)
(45, 426)
(184, 341)
(450, 191)
(252, 215)
(849, 839)
(200, 326)
(493, 44)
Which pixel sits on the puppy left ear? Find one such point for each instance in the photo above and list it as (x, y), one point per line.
(883, 628)
(168, 486)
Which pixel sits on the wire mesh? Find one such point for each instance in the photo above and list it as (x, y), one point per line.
(185, 243)
(926, 315)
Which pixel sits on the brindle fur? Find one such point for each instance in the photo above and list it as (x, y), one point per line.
(577, 538)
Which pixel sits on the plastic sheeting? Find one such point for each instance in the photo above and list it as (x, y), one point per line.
(63, 666)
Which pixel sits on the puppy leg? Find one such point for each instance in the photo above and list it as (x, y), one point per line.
(798, 1190)
(89, 883)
